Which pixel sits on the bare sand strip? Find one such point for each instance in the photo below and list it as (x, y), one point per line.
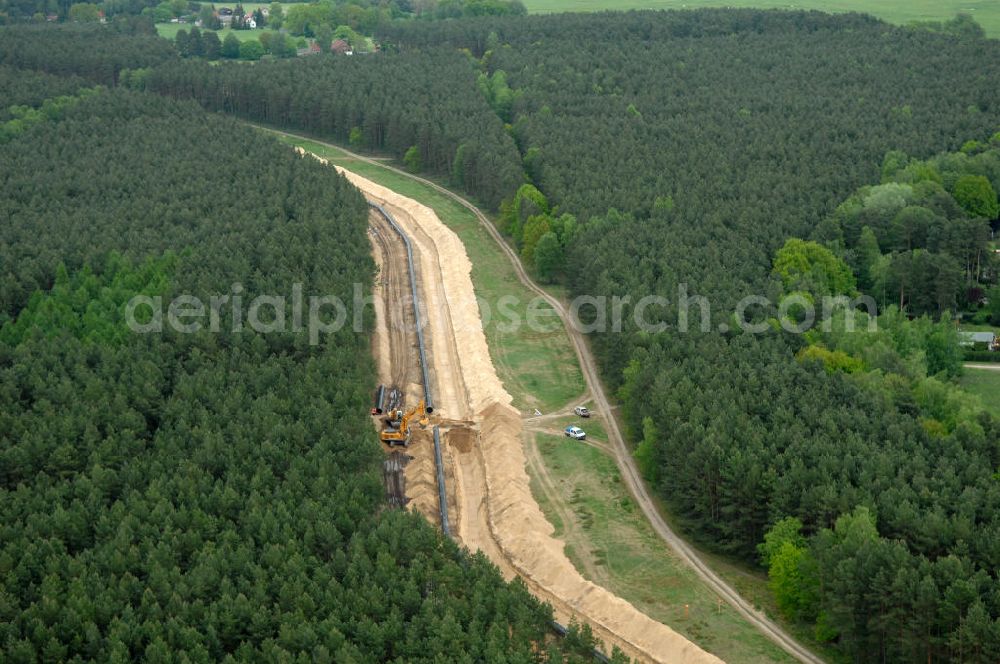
(497, 512)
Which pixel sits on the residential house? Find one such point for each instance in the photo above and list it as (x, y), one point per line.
(987, 340)
(341, 47)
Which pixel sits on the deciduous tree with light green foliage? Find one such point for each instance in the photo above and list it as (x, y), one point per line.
(412, 159)
(25, 117)
(499, 95)
(832, 360)
(528, 202)
(89, 306)
(276, 15)
(356, 137)
(548, 257)
(977, 196)
(251, 49)
(84, 12)
(809, 266)
(791, 569)
(536, 227)
(645, 452)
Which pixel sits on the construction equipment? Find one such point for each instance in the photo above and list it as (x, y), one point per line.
(397, 425)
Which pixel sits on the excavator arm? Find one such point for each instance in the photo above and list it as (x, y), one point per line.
(397, 431)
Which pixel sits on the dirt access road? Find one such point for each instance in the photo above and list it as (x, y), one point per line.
(622, 455)
(988, 367)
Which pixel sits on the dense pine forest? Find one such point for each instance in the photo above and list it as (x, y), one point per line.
(737, 152)
(687, 148)
(425, 108)
(98, 53)
(202, 496)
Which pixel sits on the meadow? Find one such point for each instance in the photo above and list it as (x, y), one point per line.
(170, 30)
(986, 384)
(580, 490)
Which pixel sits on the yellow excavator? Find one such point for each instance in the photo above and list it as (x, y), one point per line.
(397, 425)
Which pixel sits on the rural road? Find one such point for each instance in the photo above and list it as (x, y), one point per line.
(621, 452)
(989, 367)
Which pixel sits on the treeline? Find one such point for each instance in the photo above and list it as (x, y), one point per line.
(443, 9)
(22, 118)
(645, 25)
(427, 103)
(688, 147)
(209, 495)
(361, 15)
(367, 16)
(206, 44)
(95, 52)
(27, 88)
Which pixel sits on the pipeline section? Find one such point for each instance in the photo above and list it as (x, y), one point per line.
(442, 497)
(428, 398)
(438, 461)
(562, 631)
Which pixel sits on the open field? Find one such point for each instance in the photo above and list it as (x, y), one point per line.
(969, 327)
(249, 7)
(170, 30)
(986, 12)
(986, 384)
(610, 541)
(539, 369)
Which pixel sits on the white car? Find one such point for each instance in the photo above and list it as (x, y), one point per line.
(581, 411)
(576, 433)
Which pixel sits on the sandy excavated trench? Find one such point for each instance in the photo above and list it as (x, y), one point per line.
(493, 509)
(394, 345)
